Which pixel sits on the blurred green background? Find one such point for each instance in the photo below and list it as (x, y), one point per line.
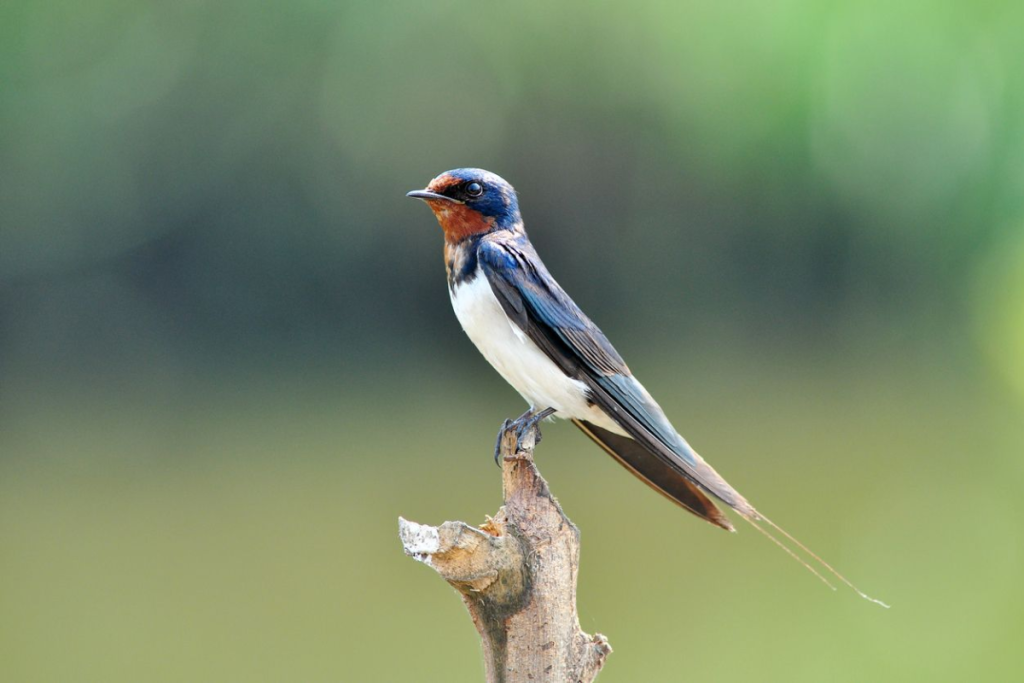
(228, 361)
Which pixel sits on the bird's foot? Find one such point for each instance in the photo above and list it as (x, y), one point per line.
(523, 425)
(529, 422)
(505, 426)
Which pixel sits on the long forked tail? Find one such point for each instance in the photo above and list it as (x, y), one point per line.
(755, 517)
(687, 488)
(657, 474)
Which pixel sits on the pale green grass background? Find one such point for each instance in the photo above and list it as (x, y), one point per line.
(228, 361)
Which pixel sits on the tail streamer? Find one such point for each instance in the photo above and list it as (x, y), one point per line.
(754, 518)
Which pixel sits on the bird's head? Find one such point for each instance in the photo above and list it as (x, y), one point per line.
(470, 201)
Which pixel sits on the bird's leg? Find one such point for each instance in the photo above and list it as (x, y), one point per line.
(524, 416)
(530, 421)
(523, 424)
(505, 426)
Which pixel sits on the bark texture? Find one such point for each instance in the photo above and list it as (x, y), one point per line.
(517, 575)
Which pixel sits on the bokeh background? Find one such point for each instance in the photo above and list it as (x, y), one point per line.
(228, 361)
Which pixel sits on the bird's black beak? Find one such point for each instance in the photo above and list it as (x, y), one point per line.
(427, 194)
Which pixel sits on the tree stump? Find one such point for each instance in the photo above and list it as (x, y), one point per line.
(517, 575)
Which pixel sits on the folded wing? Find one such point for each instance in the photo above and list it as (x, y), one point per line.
(654, 451)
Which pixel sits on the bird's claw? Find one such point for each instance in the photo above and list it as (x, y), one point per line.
(523, 424)
(524, 428)
(505, 426)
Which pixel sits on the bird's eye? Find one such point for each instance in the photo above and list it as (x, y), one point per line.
(474, 189)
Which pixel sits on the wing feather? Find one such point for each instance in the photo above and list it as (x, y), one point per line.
(536, 303)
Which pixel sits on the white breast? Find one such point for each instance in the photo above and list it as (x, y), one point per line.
(517, 358)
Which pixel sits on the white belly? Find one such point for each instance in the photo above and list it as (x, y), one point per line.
(517, 358)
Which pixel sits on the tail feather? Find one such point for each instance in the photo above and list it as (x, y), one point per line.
(656, 474)
(823, 563)
(674, 484)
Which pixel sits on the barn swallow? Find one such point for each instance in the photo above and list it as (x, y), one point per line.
(542, 344)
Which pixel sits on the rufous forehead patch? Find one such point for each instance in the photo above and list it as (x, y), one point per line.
(443, 182)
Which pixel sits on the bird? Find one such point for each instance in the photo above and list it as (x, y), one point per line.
(558, 360)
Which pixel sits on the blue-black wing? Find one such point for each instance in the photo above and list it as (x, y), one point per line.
(655, 452)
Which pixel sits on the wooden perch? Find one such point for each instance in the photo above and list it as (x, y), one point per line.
(517, 575)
